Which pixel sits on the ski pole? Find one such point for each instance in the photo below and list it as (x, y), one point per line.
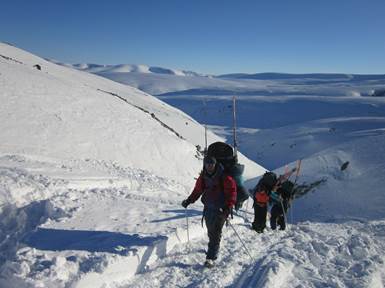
(284, 214)
(205, 112)
(235, 128)
(188, 234)
(240, 239)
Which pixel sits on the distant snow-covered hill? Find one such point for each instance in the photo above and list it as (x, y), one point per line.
(273, 104)
(172, 82)
(128, 68)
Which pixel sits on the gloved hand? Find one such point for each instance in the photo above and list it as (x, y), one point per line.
(185, 203)
(225, 212)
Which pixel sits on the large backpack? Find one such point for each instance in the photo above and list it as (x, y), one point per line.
(286, 189)
(224, 154)
(265, 184)
(268, 181)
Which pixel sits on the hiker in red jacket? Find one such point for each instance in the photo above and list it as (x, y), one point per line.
(219, 194)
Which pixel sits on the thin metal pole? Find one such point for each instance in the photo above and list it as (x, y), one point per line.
(235, 128)
(284, 214)
(205, 138)
(205, 113)
(240, 239)
(188, 233)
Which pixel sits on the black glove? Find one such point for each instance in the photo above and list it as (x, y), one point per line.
(225, 212)
(185, 203)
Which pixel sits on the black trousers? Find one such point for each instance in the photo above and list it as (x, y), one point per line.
(214, 220)
(260, 214)
(278, 216)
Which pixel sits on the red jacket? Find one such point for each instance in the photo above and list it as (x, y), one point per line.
(219, 190)
(261, 198)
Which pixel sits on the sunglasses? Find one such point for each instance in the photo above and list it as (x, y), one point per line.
(210, 165)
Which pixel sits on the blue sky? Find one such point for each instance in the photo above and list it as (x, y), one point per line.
(216, 37)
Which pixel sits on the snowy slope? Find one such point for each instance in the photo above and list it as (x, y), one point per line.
(88, 170)
(356, 192)
(338, 239)
(91, 184)
(63, 113)
(283, 118)
(276, 130)
(313, 111)
(307, 255)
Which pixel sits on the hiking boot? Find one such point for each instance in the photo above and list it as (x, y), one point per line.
(209, 263)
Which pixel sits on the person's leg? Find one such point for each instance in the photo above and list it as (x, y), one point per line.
(274, 213)
(260, 213)
(281, 219)
(214, 223)
(281, 222)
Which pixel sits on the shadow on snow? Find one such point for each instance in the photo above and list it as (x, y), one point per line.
(181, 213)
(91, 241)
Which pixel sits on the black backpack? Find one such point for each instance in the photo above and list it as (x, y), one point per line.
(268, 180)
(286, 189)
(224, 154)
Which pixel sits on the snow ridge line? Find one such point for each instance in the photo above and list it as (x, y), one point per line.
(145, 111)
(11, 59)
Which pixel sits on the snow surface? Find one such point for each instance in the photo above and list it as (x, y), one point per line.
(91, 184)
(312, 111)
(277, 130)
(82, 156)
(63, 113)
